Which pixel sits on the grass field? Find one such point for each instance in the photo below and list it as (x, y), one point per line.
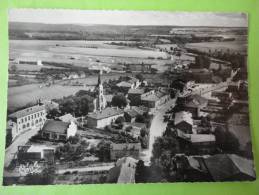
(234, 46)
(22, 95)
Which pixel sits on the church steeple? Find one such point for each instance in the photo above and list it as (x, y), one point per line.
(100, 102)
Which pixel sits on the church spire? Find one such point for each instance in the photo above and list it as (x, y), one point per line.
(99, 78)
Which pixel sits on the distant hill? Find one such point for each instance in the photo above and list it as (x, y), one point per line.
(22, 30)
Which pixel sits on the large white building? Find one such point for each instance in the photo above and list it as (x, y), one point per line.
(29, 118)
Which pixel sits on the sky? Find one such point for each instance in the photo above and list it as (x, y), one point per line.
(115, 17)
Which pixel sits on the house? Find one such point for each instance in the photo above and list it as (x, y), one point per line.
(131, 113)
(230, 167)
(73, 75)
(134, 95)
(134, 128)
(58, 130)
(154, 99)
(67, 118)
(183, 121)
(102, 118)
(29, 118)
(35, 153)
(190, 168)
(119, 150)
(128, 83)
(194, 104)
(123, 172)
(197, 143)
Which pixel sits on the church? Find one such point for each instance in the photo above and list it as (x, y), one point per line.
(102, 115)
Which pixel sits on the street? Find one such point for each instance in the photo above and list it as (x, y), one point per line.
(20, 140)
(157, 128)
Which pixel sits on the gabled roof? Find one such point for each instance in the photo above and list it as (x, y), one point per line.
(224, 167)
(124, 84)
(27, 111)
(107, 112)
(55, 126)
(196, 101)
(67, 118)
(183, 116)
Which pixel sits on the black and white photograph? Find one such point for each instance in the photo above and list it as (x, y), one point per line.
(109, 96)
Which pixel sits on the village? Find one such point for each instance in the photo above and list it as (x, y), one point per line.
(141, 105)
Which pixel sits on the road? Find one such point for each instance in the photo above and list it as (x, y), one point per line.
(20, 140)
(157, 128)
(87, 169)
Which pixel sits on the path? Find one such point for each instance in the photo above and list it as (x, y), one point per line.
(22, 139)
(157, 128)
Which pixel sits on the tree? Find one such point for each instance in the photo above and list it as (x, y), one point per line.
(52, 114)
(140, 172)
(74, 139)
(140, 118)
(140, 77)
(120, 120)
(103, 150)
(119, 101)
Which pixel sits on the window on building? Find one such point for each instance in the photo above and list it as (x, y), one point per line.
(38, 114)
(54, 136)
(34, 115)
(28, 124)
(23, 126)
(36, 122)
(25, 119)
(40, 119)
(22, 120)
(29, 118)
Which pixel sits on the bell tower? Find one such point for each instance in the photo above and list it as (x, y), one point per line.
(101, 101)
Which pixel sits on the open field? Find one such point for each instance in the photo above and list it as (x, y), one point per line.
(82, 53)
(233, 46)
(22, 95)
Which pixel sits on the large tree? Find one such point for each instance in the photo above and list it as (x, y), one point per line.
(119, 101)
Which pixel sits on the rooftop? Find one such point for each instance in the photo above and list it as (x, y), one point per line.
(223, 167)
(196, 138)
(27, 111)
(124, 84)
(136, 91)
(183, 116)
(153, 96)
(107, 112)
(55, 126)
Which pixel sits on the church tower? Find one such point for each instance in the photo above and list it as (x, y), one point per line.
(101, 101)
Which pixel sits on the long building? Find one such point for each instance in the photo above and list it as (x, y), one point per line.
(29, 118)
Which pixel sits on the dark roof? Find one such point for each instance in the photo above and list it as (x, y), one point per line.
(224, 167)
(55, 126)
(27, 111)
(107, 112)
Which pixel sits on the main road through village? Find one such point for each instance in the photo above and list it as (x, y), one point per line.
(157, 128)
